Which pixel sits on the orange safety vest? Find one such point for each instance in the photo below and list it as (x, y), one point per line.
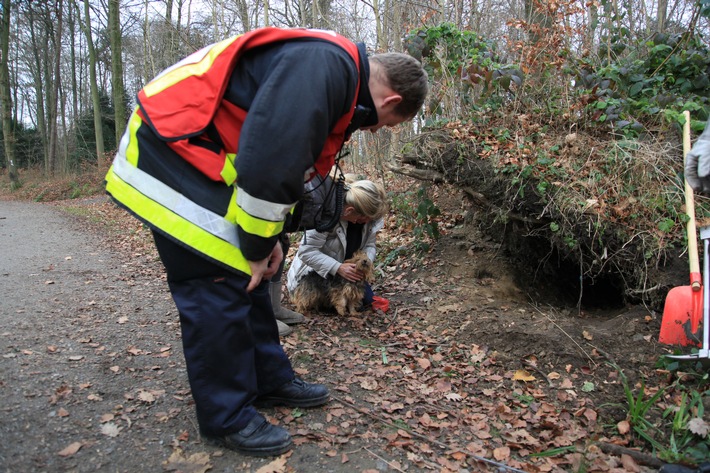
(202, 77)
(184, 107)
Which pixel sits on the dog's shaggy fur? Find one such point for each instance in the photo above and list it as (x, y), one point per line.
(314, 292)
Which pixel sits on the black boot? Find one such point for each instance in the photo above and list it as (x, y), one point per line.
(295, 393)
(259, 438)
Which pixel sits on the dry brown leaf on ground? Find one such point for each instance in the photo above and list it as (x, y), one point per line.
(196, 463)
(276, 466)
(70, 450)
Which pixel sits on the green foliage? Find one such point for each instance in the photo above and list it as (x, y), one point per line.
(670, 433)
(463, 59)
(28, 146)
(426, 213)
(416, 210)
(683, 443)
(461, 48)
(704, 8)
(83, 136)
(80, 190)
(665, 75)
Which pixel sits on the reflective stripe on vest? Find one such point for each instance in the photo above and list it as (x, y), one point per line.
(169, 211)
(168, 198)
(262, 210)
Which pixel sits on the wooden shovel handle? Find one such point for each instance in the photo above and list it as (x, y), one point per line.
(690, 211)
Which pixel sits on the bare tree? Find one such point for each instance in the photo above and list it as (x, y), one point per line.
(98, 128)
(117, 89)
(53, 99)
(7, 122)
(38, 51)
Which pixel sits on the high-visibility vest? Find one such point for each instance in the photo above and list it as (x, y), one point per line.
(203, 77)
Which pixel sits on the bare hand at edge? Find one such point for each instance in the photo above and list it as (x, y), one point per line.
(266, 268)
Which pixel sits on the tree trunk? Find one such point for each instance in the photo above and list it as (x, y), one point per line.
(39, 82)
(118, 91)
(149, 63)
(590, 31)
(72, 58)
(243, 12)
(53, 100)
(379, 30)
(169, 55)
(304, 18)
(7, 123)
(98, 128)
(661, 15)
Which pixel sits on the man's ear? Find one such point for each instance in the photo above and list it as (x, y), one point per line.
(392, 100)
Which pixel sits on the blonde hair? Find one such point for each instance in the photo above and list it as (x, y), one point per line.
(366, 197)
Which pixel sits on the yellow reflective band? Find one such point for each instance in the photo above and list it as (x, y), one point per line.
(169, 198)
(131, 151)
(172, 224)
(229, 173)
(194, 65)
(233, 208)
(256, 226)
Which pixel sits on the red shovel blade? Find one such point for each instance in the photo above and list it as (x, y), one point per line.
(681, 317)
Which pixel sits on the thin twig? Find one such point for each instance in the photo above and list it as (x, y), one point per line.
(380, 458)
(532, 366)
(568, 335)
(423, 437)
(394, 318)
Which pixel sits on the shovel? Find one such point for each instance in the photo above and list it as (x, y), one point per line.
(684, 304)
(703, 354)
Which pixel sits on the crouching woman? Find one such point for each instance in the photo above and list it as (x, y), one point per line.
(325, 253)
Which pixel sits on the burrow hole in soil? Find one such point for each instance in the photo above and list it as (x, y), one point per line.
(548, 278)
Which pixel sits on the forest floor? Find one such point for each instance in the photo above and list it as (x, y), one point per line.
(464, 372)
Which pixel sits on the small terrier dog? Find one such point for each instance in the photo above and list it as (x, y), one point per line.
(314, 292)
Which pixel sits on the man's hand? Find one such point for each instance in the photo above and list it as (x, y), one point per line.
(265, 268)
(697, 163)
(350, 272)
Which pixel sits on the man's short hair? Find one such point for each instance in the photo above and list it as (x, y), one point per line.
(406, 77)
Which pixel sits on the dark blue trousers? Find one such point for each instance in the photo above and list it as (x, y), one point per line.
(230, 339)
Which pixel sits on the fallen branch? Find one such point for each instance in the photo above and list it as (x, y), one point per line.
(482, 201)
(421, 174)
(635, 454)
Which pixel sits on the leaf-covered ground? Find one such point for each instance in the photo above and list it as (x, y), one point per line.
(463, 373)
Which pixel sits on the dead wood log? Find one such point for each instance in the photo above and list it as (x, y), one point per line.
(635, 454)
(421, 174)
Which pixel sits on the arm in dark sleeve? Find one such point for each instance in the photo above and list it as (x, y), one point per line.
(306, 90)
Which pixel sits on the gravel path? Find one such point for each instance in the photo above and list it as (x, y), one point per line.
(83, 361)
(92, 375)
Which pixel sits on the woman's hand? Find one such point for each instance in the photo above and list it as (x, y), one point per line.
(350, 272)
